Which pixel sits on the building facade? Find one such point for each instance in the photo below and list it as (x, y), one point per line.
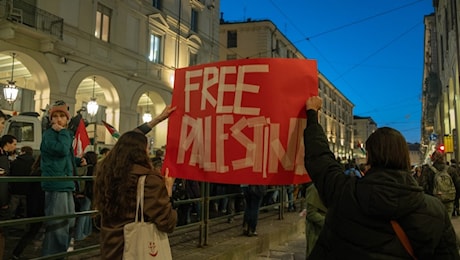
(440, 106)
(262, 39)
(123, 53)
(363, 127)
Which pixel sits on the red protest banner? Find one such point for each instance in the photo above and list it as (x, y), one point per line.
(241, 121)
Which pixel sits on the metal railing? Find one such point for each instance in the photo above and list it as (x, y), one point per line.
(202, 224)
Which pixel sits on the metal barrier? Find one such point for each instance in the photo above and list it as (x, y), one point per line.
(202, 224)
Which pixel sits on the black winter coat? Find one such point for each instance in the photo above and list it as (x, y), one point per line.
(22, 166)
(5, 165)
(357, 223)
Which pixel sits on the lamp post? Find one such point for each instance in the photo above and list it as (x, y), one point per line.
(147, 117)
(92, 108)
(92, 104)
(10, 91)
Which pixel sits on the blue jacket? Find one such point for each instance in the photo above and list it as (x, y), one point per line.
(57, 159)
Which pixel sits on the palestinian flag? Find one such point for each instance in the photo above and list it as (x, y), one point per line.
(114, 132)
(81, 140)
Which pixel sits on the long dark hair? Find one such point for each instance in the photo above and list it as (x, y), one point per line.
(112, 174)
(387, 148)
(91, 158)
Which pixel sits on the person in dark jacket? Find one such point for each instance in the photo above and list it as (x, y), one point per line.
(253, 195)
(316, 214)
(439, 163)
(453, 172)
(360, 210)
(83, 197)
(22, 166)
(35, 208)
(7, 146)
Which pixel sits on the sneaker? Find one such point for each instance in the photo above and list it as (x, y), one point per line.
(71, 245)
(252, 234)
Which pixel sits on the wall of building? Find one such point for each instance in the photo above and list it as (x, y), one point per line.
(262, 39)
(441, 76)
(127, 82)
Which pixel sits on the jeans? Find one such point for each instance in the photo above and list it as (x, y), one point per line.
(84, 224)
(251, 212)
(290, 196)
(57, 233)
(15, 202)
(26, 239)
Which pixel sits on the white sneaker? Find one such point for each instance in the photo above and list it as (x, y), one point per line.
(71, 246)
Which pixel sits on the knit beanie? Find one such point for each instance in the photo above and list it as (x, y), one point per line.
(59, 106)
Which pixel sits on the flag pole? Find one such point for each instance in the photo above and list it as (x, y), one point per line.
(95, 137)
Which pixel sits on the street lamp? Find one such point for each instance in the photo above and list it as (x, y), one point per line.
(10, 91)
(147, 117)
(92, 104)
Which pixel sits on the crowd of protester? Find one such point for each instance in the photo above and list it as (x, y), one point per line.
(368, 198)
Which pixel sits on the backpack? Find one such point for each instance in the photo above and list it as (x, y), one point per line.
(443, 185)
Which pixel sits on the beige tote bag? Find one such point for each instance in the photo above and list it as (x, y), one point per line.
(143, 240)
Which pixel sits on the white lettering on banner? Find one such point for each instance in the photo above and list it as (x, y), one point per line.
(221, 136)
(211, 76)
(263, 153)
(223, 90)
(253, 147)
(241, 86)
(190, 86)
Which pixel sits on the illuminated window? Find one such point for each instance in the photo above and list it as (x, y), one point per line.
(102, 29)
(155, 48)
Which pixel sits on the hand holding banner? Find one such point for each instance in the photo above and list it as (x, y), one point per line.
(241, 121)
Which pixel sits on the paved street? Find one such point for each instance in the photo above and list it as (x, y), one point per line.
(288, 250)
(284, 240)
(295, 248)
(225, 239)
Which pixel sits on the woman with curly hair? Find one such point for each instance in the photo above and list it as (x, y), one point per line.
(116, 188)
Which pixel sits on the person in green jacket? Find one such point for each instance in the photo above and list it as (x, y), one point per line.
(57, 159)
(316, 214)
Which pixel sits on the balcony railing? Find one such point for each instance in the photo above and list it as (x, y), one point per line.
(21, 12)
